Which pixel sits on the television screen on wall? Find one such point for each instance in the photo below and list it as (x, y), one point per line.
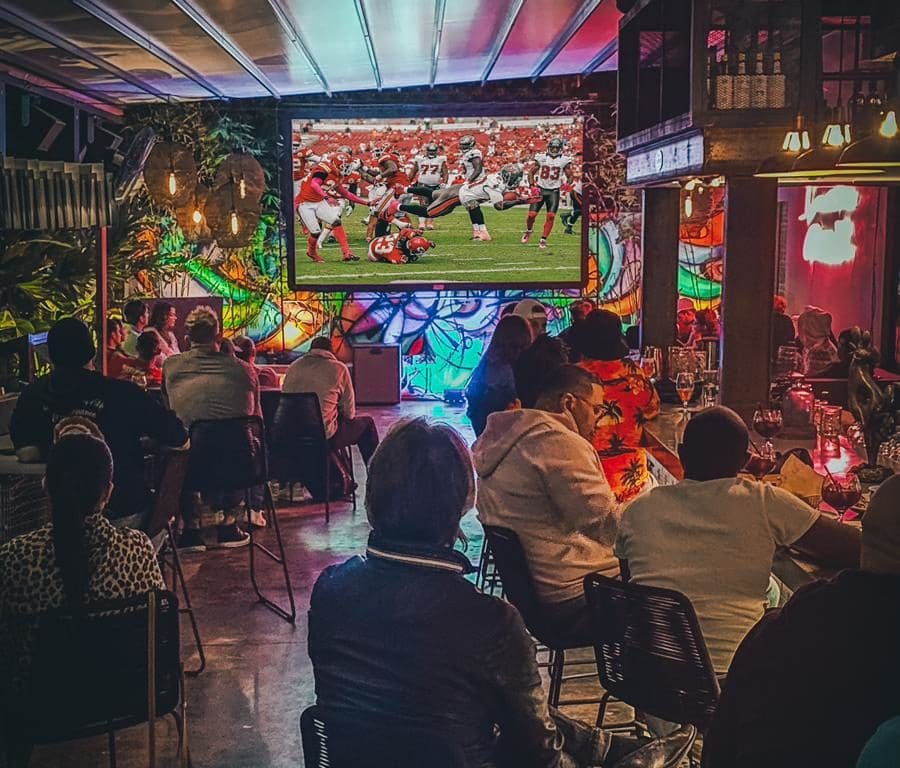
(442, 203)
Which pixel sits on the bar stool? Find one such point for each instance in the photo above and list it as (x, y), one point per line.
(230, 455)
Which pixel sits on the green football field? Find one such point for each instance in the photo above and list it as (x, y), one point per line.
(456, 258)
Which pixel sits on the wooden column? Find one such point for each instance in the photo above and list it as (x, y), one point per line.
(659, 280)
(751, 216)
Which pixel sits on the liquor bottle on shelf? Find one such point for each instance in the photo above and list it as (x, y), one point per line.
(741, 95)
(759, 85)
(724, 86)
(775, 90)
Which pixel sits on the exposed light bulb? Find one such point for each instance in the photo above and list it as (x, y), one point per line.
(197, 216)
(688, 206)
(888, 127)
(833, 136)
(234, 223)
(791, 141)
(804, 140)
(242, 188)
(173, 183)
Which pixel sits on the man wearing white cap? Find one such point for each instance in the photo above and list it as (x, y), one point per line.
(812, 682)
(535, 313)
(684, 325)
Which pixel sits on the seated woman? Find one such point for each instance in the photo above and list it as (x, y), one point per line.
(630, 401)
(492, 386)
(147, 362)
(815, 335)
(77, 558)
(402, 639)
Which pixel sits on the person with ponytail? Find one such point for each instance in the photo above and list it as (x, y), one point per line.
(77, 558)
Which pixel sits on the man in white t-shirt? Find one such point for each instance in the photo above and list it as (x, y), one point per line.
(713, 536)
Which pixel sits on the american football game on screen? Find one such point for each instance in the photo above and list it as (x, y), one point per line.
(418, 202)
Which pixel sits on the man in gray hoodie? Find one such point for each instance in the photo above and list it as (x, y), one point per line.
(539, 475)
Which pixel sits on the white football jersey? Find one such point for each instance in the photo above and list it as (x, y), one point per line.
(467, 161)
(430, 169)
(550, 172)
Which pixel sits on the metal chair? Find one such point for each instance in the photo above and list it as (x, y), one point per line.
(487, 578)
(520, 591)
(330, 742)
(167, 498)
(650, 650)
(230, 455)
(298, 443)
(99, 669)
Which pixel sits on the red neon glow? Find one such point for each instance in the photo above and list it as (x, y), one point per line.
(829, 217)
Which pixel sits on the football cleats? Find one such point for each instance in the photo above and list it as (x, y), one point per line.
(341, 161)
(555, 146)
(511, 175)
(466, 143)
(431, 150)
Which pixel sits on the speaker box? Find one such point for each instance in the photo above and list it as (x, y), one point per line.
(376, 374)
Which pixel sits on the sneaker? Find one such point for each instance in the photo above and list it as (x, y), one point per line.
(543, 243)
(484, 236)
(568, 230)
(191, 540)
(315, 257)
(230, 537)
(258, 518)
(351, 257)
(526, 236)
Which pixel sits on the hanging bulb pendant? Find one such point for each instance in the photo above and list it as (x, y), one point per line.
(197, 216)
(173, 184)
(242, 188)
(234, 223)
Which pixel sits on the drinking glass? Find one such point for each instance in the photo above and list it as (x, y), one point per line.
(648, 366)
(842, 493)
(759, 466)
(710, 387)
(684, 385)
(768, 422)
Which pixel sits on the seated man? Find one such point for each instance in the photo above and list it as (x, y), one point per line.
(122, 411)
(321, 372)
(245, 349)
(713, 536)
(401, 638)
(813, 681)
(137, 318)
(539, 475)
(205, 383)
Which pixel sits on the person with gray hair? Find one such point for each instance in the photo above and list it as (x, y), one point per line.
(814, 680)
(205, 383)
(401, 638)
(245, 349)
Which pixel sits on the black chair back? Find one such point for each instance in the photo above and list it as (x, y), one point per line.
(518, 585)
(299, 448)
(330, 742)
(650, 650)
(167, 498)
(90, 668)
(227, 454)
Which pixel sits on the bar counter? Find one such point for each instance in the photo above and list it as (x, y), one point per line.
(662, 437)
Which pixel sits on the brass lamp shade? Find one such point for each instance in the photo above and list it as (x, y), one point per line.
(873, 152)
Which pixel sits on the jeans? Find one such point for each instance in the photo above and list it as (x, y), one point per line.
(359, 431)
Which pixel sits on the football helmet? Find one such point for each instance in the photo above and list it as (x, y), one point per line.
(341, 161)
(511, 175)
(346, 149)
(431, 150)
(555, 146)
(466, 143)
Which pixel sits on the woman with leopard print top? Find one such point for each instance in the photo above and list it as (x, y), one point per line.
(77, 558)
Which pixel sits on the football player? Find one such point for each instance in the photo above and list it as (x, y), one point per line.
(430, 174)
(396, 183)
(575, 197)
(546, 176)
(321, 202)
(403, 247)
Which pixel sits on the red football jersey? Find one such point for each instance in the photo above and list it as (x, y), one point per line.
(307, 193)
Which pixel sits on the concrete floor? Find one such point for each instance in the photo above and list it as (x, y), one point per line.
(244, 709)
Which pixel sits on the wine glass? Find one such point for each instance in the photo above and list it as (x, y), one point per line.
(648, 366)
(768, 422)
(684, 385)
(710, 387)
(842, 493)
(759, 466)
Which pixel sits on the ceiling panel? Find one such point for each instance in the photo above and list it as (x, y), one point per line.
(335, 39)
(537, 27)
(600, 29)
(470, 29)
(83, 31)
(166, 26)
(254, 28)
(21, 51)
(402, 36)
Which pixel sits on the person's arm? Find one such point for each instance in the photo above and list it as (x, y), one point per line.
(30, 429)
(346, 193)
(577, 488)
(347, 397)
(830, 543)
(528, 733)
(445, 173)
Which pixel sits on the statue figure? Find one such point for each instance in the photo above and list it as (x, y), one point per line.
(872, 407)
